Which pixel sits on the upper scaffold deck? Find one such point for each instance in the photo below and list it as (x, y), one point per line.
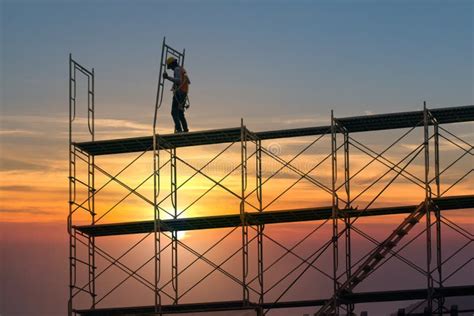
(267, 217)
(350, 124)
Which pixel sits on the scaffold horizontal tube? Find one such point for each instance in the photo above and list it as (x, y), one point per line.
(259, 218)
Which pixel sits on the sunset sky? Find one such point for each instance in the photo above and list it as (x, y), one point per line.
(276, 64)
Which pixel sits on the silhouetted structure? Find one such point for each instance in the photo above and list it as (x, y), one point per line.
(340, 215)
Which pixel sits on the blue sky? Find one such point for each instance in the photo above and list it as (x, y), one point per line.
(264, 61)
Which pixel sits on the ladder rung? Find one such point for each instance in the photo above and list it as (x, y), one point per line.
(413, 220)
(402, 232)
(378, 256)
(355, 281)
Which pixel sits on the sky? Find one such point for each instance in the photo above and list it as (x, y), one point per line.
(276, 64)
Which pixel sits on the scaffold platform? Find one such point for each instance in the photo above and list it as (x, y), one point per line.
(349, 124)
(263, 218)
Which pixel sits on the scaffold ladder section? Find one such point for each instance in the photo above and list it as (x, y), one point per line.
(166, 51)
(376, 256)
(75, 185)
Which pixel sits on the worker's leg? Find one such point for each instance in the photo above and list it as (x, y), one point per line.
(181, 98)
(175, 114)
(183, 121)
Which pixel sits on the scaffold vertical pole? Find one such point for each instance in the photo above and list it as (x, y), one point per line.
(335, 214)
(72, 191)
(73, 266)
(156, 222)
(91, 183)
(347, 220)
(243, 218)
(428, 209)
(260, 227)
(439, 257)
(174, 233)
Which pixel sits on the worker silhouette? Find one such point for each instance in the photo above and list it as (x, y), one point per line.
(180, 89)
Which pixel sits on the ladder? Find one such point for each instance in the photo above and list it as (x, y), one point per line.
(375, 257)
(166, 51)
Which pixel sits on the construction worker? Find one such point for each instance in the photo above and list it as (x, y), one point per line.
(180, 94)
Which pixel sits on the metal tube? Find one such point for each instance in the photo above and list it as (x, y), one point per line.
(81, 68)
(74, 92)
(427, 208)
(260, 228)
(439, 256)
(334, 212)
(173, 51)
(156, 223)
(159, 89)
(71, 195)
(91, 190)
(174, 234)
(243, 168)
(347, 233)
(93, 104)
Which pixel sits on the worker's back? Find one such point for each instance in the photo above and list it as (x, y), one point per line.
(181, 75)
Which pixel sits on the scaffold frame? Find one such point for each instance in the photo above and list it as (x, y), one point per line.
(252, 219)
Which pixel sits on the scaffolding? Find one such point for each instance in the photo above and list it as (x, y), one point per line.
(254, 215)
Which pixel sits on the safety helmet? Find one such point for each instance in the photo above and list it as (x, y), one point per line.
(170, 60)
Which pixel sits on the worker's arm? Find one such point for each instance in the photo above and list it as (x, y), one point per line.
(176, 79)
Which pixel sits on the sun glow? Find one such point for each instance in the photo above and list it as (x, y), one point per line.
(181, 235)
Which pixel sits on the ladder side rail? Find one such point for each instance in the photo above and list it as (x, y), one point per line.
(159, 89)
